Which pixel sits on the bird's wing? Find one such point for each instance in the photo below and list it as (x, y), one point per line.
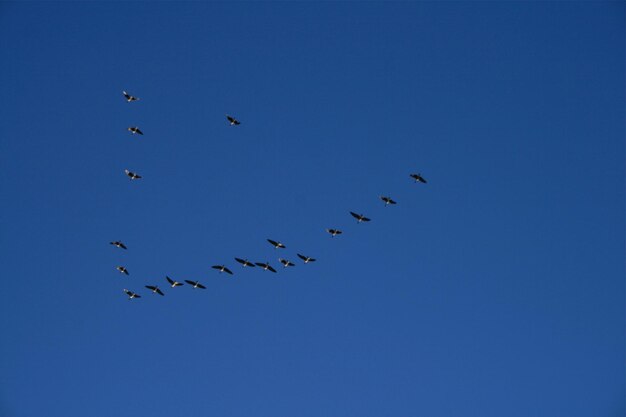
(190, 282)
(365, 219)
(302, 257)
(159, 292)
(201, 286)
(271, 269)
(151, 287)
(216, 267)
(228, 271)
(356, 216)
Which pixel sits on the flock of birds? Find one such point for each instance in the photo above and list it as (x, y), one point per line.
(244, 262)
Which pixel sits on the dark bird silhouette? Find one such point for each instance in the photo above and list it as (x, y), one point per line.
(359, 217)
(131, 294)
(306, 259)
(276, 244)
(266, 266)
(129, 98)
(387, 200)
(132, 175)
(232, 120)
(155, 289)
(418, 178)
(195, 284)
(334, 232)
(222, 268)
(286, 263)
(173, 283)
(135, 130)
(118, 244)
(244, 262)
(122, 270)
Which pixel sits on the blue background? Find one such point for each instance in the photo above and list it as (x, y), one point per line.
(497, 289)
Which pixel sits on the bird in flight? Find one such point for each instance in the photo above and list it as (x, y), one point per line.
(135, 130)
(276, 244)
(418, 178)
(195, 284)
(131, 294)
(118, 244)
(129, 98)
(232, 120)
(222, 268)
(266, 266)
(122, 270)
(244, 262)
(132, 175)
(173, 283)
(306, 259)
(359, 217)
(286, 263)
(334, 232)
(155, 289)
(387, 200)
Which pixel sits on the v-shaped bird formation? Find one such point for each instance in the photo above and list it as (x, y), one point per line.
(245, 263)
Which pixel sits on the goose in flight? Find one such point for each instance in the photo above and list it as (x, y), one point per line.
(232, 120)
(418, 178)
(118, 244)
(135, 130)
(132, 175)
(334, 232)
(155, 289)
(222, 268)
(387, 200)
(306, 259)
(244, 262)
(131, 294)
(266, 266)
(122, 270)
(173, 283)
(359, 217)
(286, 263)
(129, 98)
(195, 284)
(276, 244)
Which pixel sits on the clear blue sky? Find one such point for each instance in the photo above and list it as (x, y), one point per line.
(497, 289)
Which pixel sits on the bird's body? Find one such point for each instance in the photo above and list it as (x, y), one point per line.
(155, 289)
(387, 200)
(131, 294)
(276, 244)
(285, 262)
(122, 270)
(232, 120)
(135, 130)
(118, 244)
(359, 217)
(129, 97)
(132, 175)
(244, 262)
(418, 178)
(266, 266)
(195, 284)
(334, 232)
(173, 283)
(222, 268)
(306, 259)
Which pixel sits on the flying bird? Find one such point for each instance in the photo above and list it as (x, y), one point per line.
(155, 289)
(129, 98)
(135, 130)
(195, 284)
(244, 262)
(286, 263)
(418, 178)
(118, 244)
(359, 217)
(266, 266)
(387, 200)
(334, 232)
(232, 120)
(173, 283)
(132, 175)
(222, 268)
(131, 294)
(306, 259)
(122, 270)
(276, 244)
